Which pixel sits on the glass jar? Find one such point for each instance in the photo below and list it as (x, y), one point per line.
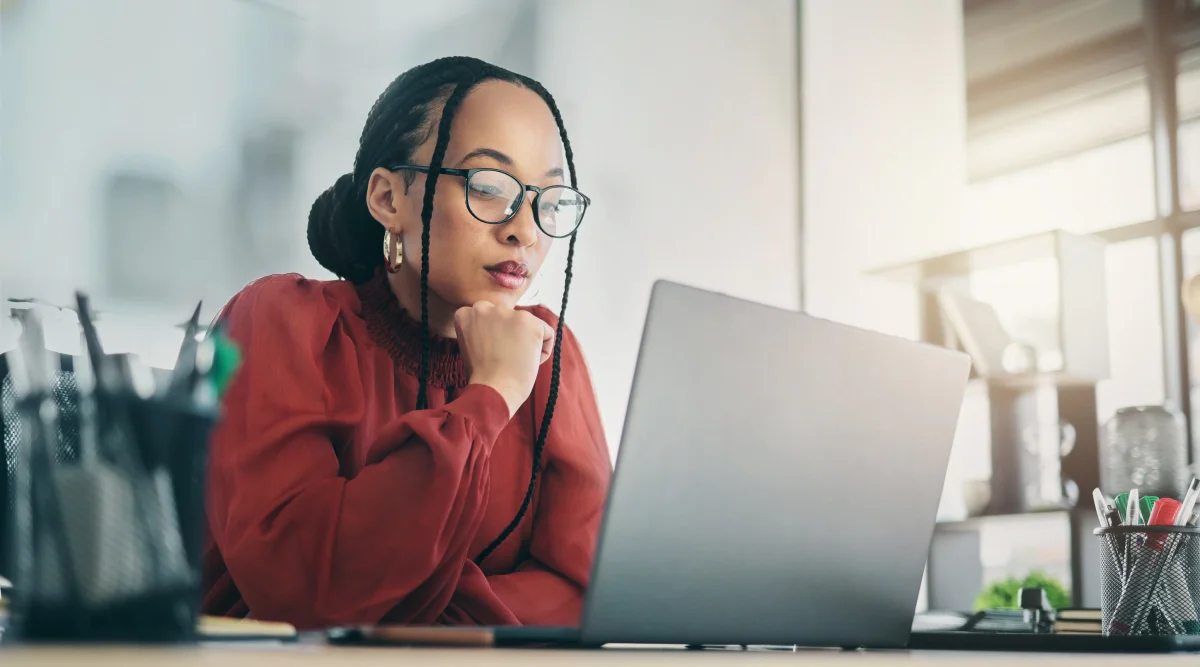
(1145, 447)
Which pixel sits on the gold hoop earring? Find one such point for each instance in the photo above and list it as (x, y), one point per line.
(393, 251)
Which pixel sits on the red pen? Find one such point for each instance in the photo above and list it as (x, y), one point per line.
(1164, 512)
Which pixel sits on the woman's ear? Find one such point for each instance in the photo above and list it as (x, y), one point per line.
(385, 197)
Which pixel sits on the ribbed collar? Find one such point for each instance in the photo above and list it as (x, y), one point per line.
(395, 331)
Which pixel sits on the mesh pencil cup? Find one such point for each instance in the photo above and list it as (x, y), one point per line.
(1150, 580)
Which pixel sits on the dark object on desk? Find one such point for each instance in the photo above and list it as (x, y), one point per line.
(499, 636)
(1036, 610)
(1054, 642)
(108, 541)
(1073, 631)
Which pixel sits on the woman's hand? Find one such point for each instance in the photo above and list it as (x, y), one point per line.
(503, 347)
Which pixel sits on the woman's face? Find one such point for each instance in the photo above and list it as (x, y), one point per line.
(498, 125)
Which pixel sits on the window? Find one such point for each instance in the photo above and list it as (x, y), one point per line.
(1189, 165)
(1187, 98)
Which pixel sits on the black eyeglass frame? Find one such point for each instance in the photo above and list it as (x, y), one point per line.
(466, 174)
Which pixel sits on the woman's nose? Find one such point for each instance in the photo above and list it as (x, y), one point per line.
(522, 229)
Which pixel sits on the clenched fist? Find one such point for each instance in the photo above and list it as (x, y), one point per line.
(503, 347)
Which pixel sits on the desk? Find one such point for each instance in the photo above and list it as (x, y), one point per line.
(298, 655)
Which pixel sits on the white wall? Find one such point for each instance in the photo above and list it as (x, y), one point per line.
(683, 117)
(884, 154)
(884, 164)
(139, 83)
(173, 90)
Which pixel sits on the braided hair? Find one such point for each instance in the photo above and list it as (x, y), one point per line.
(345, 239)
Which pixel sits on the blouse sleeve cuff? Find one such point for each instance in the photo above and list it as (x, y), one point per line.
(485, 408)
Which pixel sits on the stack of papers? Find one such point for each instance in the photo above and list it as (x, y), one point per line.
(1078, 622)
(218, 628)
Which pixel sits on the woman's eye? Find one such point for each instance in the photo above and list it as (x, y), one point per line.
(485, 190)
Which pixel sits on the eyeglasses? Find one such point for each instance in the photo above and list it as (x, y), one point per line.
(494, 196)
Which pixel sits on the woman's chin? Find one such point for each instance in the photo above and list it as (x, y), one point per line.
(500, 297)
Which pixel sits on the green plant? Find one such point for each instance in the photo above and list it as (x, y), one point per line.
(1004, 594)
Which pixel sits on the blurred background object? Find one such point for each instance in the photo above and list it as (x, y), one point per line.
(1145, 447)
(1037, 161)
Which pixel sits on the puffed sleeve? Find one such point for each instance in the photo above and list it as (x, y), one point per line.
(303, 543)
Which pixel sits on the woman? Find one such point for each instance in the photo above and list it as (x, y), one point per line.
(394, 448)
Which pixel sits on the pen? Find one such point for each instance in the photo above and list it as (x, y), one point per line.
(91, 341)
(1165, 512)
(1109, 517)
(1108, 514)
(1132, 518)
(1101, 506)
(1122, 503)
(1189, 503)
(188, 347)
(183, 378)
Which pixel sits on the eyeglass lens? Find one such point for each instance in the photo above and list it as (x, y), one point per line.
(493, 197)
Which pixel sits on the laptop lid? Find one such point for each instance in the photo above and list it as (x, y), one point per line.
(777, 481)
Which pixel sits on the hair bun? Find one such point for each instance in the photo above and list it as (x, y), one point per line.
(332, 223)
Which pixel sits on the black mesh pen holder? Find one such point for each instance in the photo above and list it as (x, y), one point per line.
(1150, 580)
(108, 545)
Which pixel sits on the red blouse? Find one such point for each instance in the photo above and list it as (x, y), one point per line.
(332, 501)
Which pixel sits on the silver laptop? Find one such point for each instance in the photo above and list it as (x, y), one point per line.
(777, 481)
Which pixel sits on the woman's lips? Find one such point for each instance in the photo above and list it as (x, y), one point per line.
(509, 275)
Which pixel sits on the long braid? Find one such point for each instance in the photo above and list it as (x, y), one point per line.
(556, 369)
(435, 165)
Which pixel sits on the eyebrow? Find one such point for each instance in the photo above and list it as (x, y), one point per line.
(502, 158)
(488, 152)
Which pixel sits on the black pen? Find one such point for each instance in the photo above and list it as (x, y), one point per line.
(91, 341)
(183, 375)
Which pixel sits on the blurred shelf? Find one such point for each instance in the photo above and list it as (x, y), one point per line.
(941, 268)
(973, 523)
(944, 267)
(1053, 379)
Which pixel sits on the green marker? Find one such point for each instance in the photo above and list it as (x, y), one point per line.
(1147, 507)
(226, 360)
(1145, 504)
